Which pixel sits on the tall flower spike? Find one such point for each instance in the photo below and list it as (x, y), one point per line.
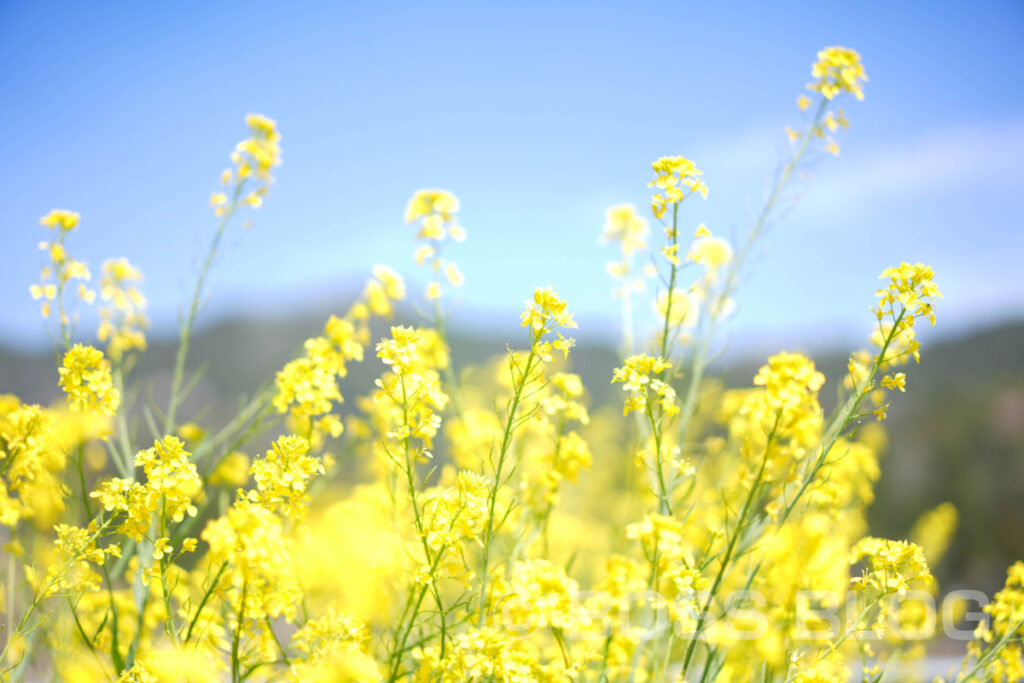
(62, 269)
(435, 211)
(910, 294)
(123, 320)
(254, 158)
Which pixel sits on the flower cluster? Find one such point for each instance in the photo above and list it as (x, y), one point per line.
(79, 552)
(545, 313)
(30, 463)
(411, 391)
(540, 595)
(890, 565)
(676, 178)
(251, 542)
(639, 376)
(382, 291)
(329, 645)
(172, 483)
(307, 387)
(1006, 627)
(664, 545)
(838, 70)
(123, 320)
(791, 385)
(910, 294)
(479, 654)
(254, 158)
(624, 227)
(452, 514)
(85, 378)
(711, 252)
(781, 422)
(282, 476)
(551, 451)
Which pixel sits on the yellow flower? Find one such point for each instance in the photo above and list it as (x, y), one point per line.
(546, 312)
(541, 595)
(426, 202)
(85, 378)
(162, 548)
(282, 475)
(685, 307)
(454, 275)
(671, 253)
(401, 351)
(934, 530)
(910, 294)
(391, 282)
(231, 471)
(138, 674)
(891, 565)
(321, 637)
(838, 70)
(423, 254)
(171, 483)
(897, 380)
(673, 176)
(61, 270)
(712, 252)
(623, 225)
(260, 152)
(639, 378)
(251, 540)
(122, 317)
(455, 514)
(61, 219)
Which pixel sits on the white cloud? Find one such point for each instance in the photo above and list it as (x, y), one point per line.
(944, 160)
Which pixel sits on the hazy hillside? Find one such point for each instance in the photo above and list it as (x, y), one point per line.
(956, 435)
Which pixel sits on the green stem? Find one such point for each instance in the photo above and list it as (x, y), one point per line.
(169, 626)
(186, 329)
(202, 603)
(236, 664)
(65, 330)
(671, 282)
(506, 441)
(284, 655)
(699, 363)
(664, 504)
(410, 472)
(42, 593)
(127, 464)
(728, 552)
(842, 420)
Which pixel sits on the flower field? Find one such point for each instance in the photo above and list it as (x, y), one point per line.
(456, 522)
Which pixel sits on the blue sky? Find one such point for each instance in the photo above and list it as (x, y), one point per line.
(538, 116)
